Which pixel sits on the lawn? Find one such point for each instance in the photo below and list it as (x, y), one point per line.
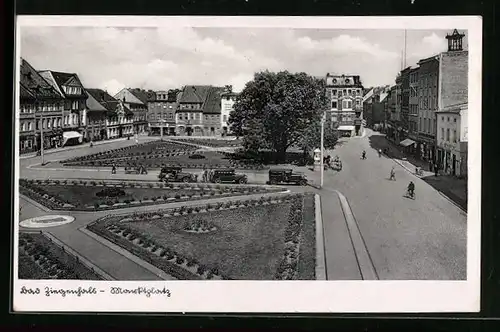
(248, 243)
(81, 196)
(40, 258)
(260, 239)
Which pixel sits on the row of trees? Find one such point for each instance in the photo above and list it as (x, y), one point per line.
(279, 110)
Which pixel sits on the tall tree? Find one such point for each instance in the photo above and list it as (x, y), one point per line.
(276, 109)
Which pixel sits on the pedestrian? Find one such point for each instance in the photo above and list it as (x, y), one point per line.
(436, 169)
(393, 174)
(430, 166)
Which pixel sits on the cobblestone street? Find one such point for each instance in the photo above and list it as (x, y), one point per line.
(410, 239)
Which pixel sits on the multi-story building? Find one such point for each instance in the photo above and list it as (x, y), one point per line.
(345, 95)
(374, 104)
(95, 115)
(137, 101)
(161, 112)
(228, 98)
(442, 82)
(452, 139)
(198, 111)
(71, 88)
(413, 107)
(405, 101)
(40, 109)
(393, 114)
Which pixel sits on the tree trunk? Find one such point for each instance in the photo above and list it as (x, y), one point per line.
(280, 154)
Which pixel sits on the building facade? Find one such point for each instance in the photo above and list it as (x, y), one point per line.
(413, 107)
(452, 139)
(443, 81)
(41, 109)
(136, 100)
(405, 101)
(96, 115)
(198, 111)
(70, 87)
(161, 112)
(345, 95)
(228, 98)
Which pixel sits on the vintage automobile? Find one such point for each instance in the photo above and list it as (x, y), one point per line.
(136, 170)
(227, 175)
(175, 174)
(286, 175)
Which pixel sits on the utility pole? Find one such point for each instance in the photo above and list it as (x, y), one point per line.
(321, 148)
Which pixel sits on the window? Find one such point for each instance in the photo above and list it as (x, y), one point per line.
(442, 133)
(357, 102)
(442, 118)
(454, 136)
(334, 93)
(448, 134)
(455, 120)
(224, 118)
(334, 104)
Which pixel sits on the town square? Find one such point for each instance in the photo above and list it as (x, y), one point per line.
(284, 173)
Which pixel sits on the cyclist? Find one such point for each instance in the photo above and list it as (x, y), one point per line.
(411, 189)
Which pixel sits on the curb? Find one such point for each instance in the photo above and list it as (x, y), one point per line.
(365, 263)
(35, 203)
(320, 242)
(145, 265)
(82, 259)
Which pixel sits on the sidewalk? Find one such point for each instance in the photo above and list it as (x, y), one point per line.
(83, 145)
(453, 188)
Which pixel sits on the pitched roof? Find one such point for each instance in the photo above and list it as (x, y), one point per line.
(34, 84)
(106, 100)
(195, 94)
(58, 79)
(368, 95)
(212, 104)
(93, 104)
(143, 95)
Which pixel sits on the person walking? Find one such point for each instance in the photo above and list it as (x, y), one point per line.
(436, 169)
(393, 174)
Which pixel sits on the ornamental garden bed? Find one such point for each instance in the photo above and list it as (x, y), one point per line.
(209, 159)
(102, 195)
(265, 239)
(40, 258)
(215, 143)
(142, 150)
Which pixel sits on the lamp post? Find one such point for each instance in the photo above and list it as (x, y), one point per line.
(42, 150)
(323, 118)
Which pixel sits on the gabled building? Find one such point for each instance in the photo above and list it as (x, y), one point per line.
(345, 93)
(137, 101)
(161, 112)
(198, 111)
(116, 121)
(40, 109)
(71, 88)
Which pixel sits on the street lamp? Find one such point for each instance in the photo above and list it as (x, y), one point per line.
(42, 150)
(323, 118)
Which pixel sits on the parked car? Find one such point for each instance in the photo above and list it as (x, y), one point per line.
(286, 175)
(175, 174)
(226, 175)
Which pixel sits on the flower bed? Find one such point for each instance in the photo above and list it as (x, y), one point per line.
(245, 240)
(143, 150)
(83, 195)
(215, 143)
(211, 159)
(40, 258)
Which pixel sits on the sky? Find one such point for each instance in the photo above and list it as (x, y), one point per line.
(162, 58)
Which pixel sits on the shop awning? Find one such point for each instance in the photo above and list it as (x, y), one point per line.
(347, 128)
(67, 135)
(407, 142)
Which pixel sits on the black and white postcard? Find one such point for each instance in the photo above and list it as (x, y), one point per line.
(247, 164)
